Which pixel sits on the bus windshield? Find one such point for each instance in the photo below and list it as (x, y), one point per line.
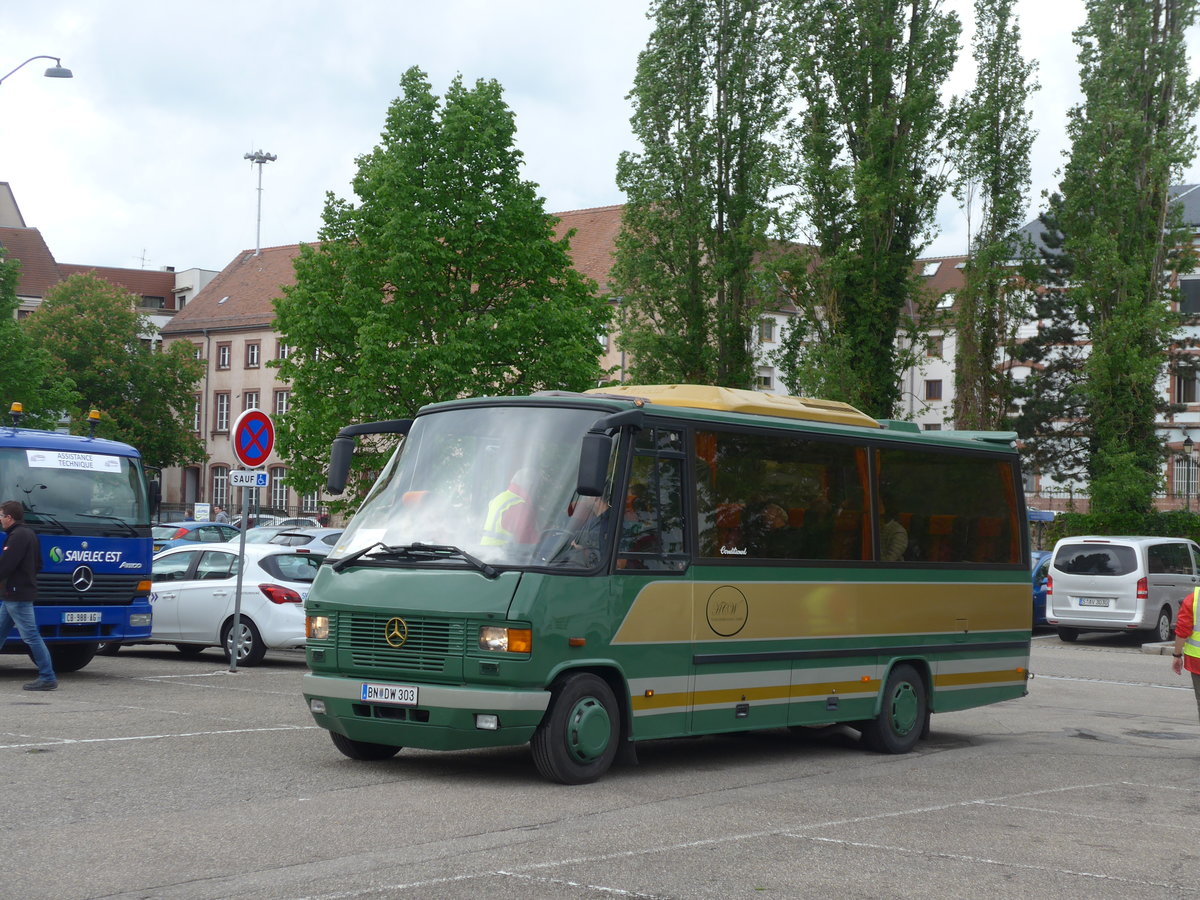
(61, 489)
(496, 483)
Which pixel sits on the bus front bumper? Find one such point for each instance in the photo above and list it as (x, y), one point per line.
(444, 717)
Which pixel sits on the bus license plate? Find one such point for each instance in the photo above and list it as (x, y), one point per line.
(1093, 601)
(396, 694)
(80, 618)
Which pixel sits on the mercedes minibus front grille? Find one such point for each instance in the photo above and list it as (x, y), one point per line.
(427, 646)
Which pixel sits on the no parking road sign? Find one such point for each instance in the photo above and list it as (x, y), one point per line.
(253, 438)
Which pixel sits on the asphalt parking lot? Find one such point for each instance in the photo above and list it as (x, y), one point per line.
(151, 776)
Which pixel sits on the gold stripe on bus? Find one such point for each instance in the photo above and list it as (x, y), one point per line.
(974, 679)
(666, 612)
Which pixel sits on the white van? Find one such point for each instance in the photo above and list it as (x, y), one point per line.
(1120, 584)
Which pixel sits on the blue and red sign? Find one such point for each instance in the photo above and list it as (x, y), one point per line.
(253, 438)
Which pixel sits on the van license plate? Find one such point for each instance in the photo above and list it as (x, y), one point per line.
(396, 694)
(1093, 601)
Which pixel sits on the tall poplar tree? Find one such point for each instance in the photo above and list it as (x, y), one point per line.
(991, 151)
(708, 99)
(443, 280)
(1130, 138)
(870, 174)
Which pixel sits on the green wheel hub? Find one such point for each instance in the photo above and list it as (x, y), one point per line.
(588, 728)
(905, 707)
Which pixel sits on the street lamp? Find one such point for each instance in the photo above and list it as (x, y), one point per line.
(260, 159)
(55, 71)
(1189, 453)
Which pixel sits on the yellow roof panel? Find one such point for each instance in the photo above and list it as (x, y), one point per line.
(701, 396)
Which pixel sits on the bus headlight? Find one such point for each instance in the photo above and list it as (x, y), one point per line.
(139, 620)
(505, 640)
(316, 627)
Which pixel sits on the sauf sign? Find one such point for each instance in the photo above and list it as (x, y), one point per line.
(253, 441)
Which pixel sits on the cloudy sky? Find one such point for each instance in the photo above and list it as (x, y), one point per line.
(139, 159)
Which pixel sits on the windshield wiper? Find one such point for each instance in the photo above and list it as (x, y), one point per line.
(129, 528)
(47, 519)
(417, 551)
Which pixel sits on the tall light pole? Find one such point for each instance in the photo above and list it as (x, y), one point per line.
(260, 159)
(55, 71)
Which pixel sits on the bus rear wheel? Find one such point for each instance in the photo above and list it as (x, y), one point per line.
(362, 750)
(578, 739)
(902, 715)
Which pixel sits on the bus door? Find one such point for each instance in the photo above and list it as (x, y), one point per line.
(653, 642)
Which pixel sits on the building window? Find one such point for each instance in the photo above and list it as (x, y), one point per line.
(764, 380)
(281, 402)
(221, 411)
(279, 488)
(199, 351)
(196, 415)
(766, 331)
(224, 354)
(933, 389)
(933, 426)
(1189, 296)
(252, 354)
(220, 486)
(309, 503)
(154, 302)
(1185, 477)
(1185, 386)
(935, 346)
(604, 342)
(282, 350)
(946, 301)
(251, 400)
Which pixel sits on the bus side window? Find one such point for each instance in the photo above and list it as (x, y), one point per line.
(652, 535)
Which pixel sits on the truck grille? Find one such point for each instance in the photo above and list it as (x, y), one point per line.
(431, 643)
(55, 589)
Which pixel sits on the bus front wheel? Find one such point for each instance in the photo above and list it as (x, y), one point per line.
(902, 714)
(578, 739)
(71, 657)
(363, 750)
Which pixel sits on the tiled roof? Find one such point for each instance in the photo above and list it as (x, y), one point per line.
(140, 282)
(595, 239)
(39, 271)
(242, 295)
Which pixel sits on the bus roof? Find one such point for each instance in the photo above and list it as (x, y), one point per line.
(723, 399)
(33, 439)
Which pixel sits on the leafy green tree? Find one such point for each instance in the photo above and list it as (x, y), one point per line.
(708, 99)
(92, 331)
(28, 377)
(991, 150)
(871, 142)
(1121, 235)
(444, 280)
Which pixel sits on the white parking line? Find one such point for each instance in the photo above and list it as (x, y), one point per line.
(62, 742)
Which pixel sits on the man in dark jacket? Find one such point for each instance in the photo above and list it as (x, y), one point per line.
(19, 564)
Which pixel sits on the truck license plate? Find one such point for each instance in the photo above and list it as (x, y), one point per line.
(80, 618)
(396, 694)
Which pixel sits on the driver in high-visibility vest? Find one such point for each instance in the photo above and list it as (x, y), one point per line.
(1186, 654)
(510, 516)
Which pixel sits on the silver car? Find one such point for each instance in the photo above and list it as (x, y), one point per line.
(1120, 584)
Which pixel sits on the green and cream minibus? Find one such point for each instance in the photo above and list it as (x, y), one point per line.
(586, 571)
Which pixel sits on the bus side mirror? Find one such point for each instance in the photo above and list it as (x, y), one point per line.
(340, 455)
(593, 464)
(155, 498)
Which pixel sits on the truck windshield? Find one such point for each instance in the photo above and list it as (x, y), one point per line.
(61, 489)
(496, 483)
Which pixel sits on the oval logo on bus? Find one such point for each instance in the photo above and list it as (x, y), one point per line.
(395, 632)
(727, 611)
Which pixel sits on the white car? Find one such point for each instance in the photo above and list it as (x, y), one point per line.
(193, 598)
(319, 540)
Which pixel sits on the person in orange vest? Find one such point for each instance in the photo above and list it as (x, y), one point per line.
(1186, 654)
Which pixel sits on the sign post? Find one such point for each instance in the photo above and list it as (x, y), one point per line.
(253, 441)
